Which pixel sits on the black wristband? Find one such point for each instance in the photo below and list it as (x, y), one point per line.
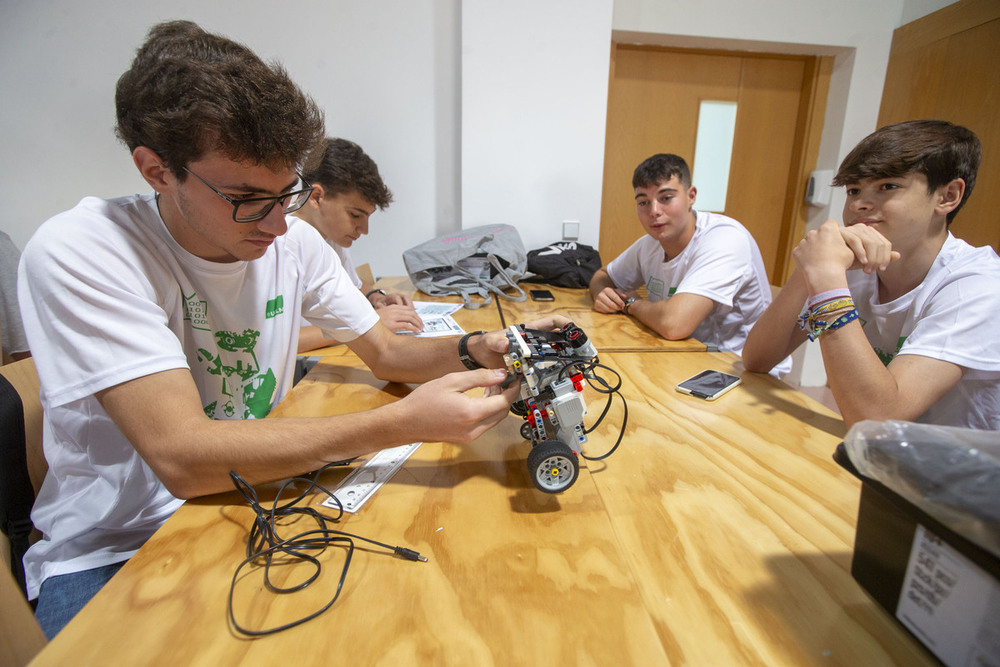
(463, 351)
(375, 291)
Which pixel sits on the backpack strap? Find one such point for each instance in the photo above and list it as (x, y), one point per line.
(465, 286)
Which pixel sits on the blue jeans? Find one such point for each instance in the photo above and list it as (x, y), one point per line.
(60, 597)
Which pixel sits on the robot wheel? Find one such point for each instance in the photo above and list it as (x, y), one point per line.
(553, 466)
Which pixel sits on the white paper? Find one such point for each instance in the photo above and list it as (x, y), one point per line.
(437, 319)
(950, 603)
(435, 308)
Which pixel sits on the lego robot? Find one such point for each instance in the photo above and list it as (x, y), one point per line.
(551, 367)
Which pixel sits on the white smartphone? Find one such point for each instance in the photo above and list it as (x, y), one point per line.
(708, 384)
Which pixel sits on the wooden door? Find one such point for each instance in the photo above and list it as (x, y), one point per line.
(945, 66)
(653, 105)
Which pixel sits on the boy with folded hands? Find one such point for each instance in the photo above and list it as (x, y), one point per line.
(906, 314)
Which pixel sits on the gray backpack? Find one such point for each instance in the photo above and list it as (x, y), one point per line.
(480, 261)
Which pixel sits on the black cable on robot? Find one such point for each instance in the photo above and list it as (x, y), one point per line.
(586, 370)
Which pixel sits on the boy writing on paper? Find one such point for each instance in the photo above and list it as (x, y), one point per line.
(905, 313)
(347, 190)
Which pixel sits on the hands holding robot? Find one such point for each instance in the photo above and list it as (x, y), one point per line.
(537, 371)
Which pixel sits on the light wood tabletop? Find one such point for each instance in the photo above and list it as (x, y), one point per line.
(718, 533)
(738, 524)
(609, 333)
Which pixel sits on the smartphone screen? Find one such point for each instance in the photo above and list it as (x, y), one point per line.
(542, 295)
(709, 384)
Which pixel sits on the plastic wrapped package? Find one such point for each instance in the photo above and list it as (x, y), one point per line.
(950, 473)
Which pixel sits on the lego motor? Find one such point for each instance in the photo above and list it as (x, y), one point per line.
(552, 368)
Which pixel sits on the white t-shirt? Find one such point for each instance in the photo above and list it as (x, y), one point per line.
(954, 316)
(721, 262)
(345, 260)
(107, 296)
(344, 255)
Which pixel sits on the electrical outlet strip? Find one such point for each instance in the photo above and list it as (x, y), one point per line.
(362, 484)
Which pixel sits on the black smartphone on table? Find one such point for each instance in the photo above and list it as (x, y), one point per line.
(541, 295)
(709, 384)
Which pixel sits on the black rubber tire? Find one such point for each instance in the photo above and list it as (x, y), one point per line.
(553, 466)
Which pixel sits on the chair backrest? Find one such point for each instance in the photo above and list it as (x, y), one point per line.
(21, 638)
(364, 272)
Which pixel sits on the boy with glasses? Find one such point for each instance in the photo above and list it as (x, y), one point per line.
(164, 326)
(905, 313)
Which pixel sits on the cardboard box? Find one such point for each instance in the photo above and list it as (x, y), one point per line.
(944, 589)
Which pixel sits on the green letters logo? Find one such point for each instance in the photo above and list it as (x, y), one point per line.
(275, 307)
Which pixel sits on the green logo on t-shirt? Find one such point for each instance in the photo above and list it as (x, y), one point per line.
(886, 357)
(654, 287)
(244, 383)
(275, 307)
(196, 312)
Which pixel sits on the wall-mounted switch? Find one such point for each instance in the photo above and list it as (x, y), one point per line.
(818, 188)
(571, 230)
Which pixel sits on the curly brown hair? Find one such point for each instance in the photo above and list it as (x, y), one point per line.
(341, 166)
(939, 150)
(189, 92)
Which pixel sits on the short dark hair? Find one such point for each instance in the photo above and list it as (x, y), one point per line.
(189, 92)
(341, 166)
(939, 150)
(661, 167)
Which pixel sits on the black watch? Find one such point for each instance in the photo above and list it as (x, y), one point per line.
(375, 291)
(463, 351)
(628, 302)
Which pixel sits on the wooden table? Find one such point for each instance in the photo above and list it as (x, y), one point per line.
(719, 533)
(738, 525)
(609, 333)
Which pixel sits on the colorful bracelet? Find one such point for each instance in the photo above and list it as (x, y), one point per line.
(816, 328)
(832, 306)
(829, 295)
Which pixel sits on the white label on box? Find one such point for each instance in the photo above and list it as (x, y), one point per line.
(950, 603)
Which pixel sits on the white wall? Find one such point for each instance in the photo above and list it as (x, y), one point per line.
(534, 103)
(386, 72)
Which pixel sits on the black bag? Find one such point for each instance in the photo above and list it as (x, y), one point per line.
(563, 264)
(18, 494)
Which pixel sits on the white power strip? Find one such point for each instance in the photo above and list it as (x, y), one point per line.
(362, 484)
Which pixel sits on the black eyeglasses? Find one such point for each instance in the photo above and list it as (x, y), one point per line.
(255, 208)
